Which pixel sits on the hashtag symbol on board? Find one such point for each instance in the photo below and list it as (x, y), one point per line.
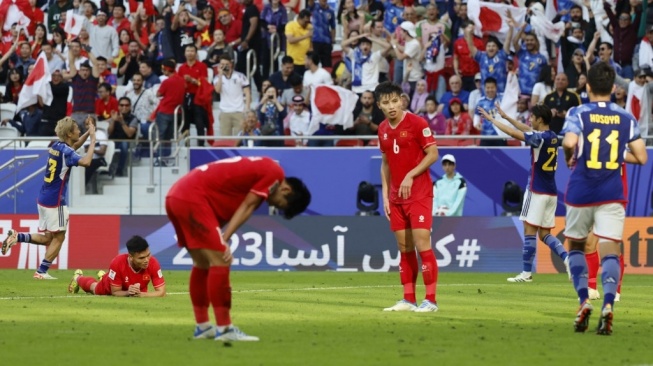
(467, 253)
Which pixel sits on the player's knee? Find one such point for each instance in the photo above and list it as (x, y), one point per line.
(609, 248)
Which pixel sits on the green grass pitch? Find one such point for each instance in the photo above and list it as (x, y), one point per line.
(323, 318)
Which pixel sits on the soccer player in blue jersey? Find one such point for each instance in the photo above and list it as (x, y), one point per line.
(599, 137)
(51, 202)
(493, 62)
(530, 61)
(540, 200)
(487, 104)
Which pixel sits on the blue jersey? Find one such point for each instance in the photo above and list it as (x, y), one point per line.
(61, 158)
(604, 129)
(487, 128)
(393, 16)
(323, 20)
(544, 161)
(494, 67)
(529, 69)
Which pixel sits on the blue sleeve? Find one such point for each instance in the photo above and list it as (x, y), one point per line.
(71, 157)
(332, 22)
(634, 131)
(478, 56)
(533, 138)
(572, 122)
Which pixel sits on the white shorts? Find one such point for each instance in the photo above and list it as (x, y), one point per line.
(53, 219)
(539, 210)
(608, 221)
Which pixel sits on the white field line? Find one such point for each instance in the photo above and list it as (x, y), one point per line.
(300, 289)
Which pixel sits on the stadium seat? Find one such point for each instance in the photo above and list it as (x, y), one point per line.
(108, 157)
(290, 143)
(349, 143)
(446, 142)
(8, 131)
(7, 111)
(201, 55)
(120, 91)
(466, 142)
(512, 199)
(224, 143)
(374, 142)
(513, 142)
(103, 125)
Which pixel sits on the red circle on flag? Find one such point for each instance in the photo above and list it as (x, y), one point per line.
(37, 73)
(327, 100)
(490, 20)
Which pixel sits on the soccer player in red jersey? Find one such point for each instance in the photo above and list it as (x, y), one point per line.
(224, 193)
(592, 254)
(408, 149)
(129, 274)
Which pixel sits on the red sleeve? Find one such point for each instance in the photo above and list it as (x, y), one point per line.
(164, 87)
(273, 175)
(115, 271)
(422, 132)
(155, 273)
(379, 132)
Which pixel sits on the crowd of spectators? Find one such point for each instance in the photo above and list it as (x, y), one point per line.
(133, 62)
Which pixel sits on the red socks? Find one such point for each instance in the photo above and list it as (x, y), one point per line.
(85, 283)
(219, 291)
(429, 273)
(408, 274)
(593, 263)
(621, 277)
(198, 294)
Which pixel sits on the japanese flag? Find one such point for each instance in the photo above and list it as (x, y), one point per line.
(331, 105)
(37, 84)
(15, 11)
(637, 104)
(491, 18)
(73, 24)
(509, 101)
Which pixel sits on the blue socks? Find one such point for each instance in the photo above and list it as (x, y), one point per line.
(578, 267)
(610, 278)
(24, 238)
(530, 242)
(556, 246)
(43, 268)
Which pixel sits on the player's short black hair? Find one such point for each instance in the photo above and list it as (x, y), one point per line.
(491, 80)
(387, 88)
(600, 78)
(137, 244)
(298, 199)
(542, 111)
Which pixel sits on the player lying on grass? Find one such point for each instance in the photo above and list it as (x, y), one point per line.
(129, 274)
(541, 197)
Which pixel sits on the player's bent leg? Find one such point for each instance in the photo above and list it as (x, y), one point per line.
(556, 246)
(10, 241)
(51, 254)
(198, 285)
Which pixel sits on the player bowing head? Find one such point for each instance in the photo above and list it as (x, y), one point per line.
(600, 80)
(292, 197)
(540, 116)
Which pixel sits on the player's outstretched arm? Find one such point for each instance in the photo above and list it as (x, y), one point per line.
(516, 134)
(158, 292)
(88, 158)
(385, 185)
(242, 214)
(569, 144)
(637, 153)
(520, 126)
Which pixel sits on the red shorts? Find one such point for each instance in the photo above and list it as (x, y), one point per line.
(414, 215)
(195, 224)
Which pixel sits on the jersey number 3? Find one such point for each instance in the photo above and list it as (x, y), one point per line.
(594, 138)
(52, 168)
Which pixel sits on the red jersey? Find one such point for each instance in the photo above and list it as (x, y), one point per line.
(466, 63)
(173, 90)
(103, 110)
(403, 146)
(198, 71)
(224, 184)
(123, 275)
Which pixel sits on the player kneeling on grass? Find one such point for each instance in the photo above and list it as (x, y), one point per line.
(225, 192)
(129, 274)
(541, 198)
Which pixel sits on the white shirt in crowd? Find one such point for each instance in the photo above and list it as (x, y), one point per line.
(101, 139)
(231, 95)
(319, 77)
(412, 68)
(370, 77)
